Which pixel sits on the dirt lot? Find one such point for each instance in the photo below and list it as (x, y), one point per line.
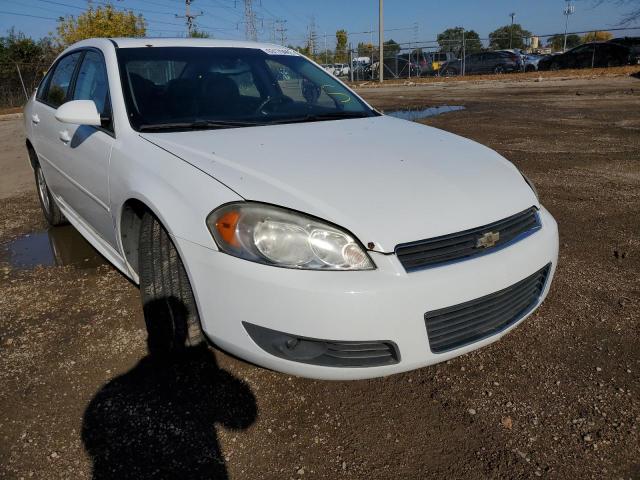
(557, 398)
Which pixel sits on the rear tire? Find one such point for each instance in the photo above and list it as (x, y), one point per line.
(170, 311)
(499, 70)
(50, 209)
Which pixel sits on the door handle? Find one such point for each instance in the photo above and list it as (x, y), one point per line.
(35, 118)
(64, 136)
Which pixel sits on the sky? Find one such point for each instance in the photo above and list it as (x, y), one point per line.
(405, 20)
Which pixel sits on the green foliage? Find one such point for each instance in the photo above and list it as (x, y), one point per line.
(100, 22)
(341, 55)
(32, 57)
(451, 41)
(366, 49)
(509, 36)
(195, 33)
(391, 48)
(556, 42)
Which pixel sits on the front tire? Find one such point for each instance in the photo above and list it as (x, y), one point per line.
(50, 209)
(170, 311)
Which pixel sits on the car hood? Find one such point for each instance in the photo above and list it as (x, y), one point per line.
(388, 181)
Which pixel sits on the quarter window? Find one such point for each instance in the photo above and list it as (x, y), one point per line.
(61, 79)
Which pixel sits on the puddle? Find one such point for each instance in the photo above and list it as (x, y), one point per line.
(58, 246)
(414, 114)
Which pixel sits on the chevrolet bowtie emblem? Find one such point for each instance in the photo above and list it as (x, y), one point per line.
(487, 240)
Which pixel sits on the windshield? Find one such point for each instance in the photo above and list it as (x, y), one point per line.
(177, 87)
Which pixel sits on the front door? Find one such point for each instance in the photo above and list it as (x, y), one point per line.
(89, 150)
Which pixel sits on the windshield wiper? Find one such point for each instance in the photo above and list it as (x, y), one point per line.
(318, 117)
(197, 125)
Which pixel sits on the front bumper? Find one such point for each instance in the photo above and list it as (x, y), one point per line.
(383, 304)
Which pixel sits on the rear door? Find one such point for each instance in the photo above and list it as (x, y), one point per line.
(581, 57)
(86, 155)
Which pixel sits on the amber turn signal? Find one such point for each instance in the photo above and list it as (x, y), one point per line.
(226, 226)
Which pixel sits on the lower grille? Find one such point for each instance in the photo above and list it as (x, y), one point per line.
(454, 327)
(328, 353)
(469, 243)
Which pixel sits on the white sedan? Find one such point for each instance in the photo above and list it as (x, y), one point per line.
(198, 168)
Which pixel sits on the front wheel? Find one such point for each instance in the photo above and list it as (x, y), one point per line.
(170, 311)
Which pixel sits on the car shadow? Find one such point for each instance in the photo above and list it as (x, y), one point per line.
(159, 419)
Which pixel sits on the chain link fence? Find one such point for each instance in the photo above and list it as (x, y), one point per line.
(469, 56)
(18, 81)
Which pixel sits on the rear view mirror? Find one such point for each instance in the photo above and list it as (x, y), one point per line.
(79, 112)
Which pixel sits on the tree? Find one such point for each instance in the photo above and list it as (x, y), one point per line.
(31, 57)
(366, 49)
(451, 41)
(556, 42)
(509, 36)
(597, 37)
(100, 22)
(391, 48)
(341, 46)
(195, 33)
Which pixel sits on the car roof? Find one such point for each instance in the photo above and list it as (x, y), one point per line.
(169, 42)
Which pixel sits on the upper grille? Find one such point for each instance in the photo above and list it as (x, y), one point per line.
(468, 322)
(457, 246)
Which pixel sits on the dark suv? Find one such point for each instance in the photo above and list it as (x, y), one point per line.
(590, 55)
(484, 62)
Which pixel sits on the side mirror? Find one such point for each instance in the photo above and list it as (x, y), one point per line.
(79, 112)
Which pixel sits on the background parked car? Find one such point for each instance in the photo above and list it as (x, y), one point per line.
(328, 67)
(531, 61)
(341, 69)
(396, 67)
(484, 62)
(590, 55)
(631, 42)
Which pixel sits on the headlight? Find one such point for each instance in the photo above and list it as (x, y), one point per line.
(276, 236)
(531, 185)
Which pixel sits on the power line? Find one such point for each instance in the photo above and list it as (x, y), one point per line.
(27, 15)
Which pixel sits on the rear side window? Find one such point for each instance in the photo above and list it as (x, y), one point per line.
(61, 80)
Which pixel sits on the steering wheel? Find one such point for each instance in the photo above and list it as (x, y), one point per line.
(273, 101)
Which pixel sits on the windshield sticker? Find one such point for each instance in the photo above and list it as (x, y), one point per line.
(279, 51)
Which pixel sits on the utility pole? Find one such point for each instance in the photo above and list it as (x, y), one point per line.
(464, 54)
(250, 30)
(381, 39)
(513, 16)
(569, 9)
(282, 31)
(326, 59)
(312, 36)
(189, 17)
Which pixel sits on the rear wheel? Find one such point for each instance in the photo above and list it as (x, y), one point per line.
(554, 66)
(50, 208)
(170, 311)
(450, 72)
(499, 70)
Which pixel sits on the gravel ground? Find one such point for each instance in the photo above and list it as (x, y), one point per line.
(556, 398)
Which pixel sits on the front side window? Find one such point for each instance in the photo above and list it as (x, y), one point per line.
(61, 77)
(92, 84)
(230, 87)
